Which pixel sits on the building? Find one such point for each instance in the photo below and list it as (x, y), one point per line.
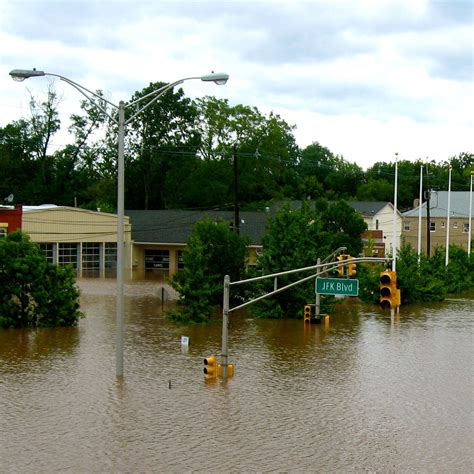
(10, 219)
(155, 239)
(86, 240)
(160, 236)
(378, 215)
(438, 221)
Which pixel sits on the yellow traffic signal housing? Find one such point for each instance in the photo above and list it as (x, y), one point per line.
(351, 267)
(389, 293)
(212, 369)
(230, 370)
(341, 271)
(346, 270)
(210, 366)
(308, 313)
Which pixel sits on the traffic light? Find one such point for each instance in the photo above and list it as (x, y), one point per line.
(341, 271)
(212, 369)
(230, 370)
(351, 267)
(210, 366)
(308, 313)
(389, 293)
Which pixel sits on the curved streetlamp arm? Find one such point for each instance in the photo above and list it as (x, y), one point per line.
(157, 93)
(89, 95)
(22, 74)
(218, 78)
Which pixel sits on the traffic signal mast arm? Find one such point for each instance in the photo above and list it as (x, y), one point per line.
(322, 267)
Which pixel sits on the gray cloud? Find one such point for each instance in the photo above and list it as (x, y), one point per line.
(327, 58)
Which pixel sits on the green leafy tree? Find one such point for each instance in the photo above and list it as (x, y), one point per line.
(212, 252)
(295, 238)
(156, 139)
(375, 190)
(319, 166)
(265, 147)
(460, 270)
(33, 292)
(343, 227)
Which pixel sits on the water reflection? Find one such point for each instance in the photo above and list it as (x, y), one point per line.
(366, 393)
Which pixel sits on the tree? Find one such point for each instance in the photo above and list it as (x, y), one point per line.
(155, 140)
(295, 238)
(338, 178)
(33, 292)
(343, 227)
(265, 148)
(212, 252)
(19, 172)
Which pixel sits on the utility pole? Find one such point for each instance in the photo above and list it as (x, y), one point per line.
(427, 199)
(236, 192)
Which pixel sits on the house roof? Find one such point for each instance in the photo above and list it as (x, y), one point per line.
(369, 208)
(366, 208)
(175, 226)
(459, 205)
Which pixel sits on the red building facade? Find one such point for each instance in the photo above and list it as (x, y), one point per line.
(10, 219)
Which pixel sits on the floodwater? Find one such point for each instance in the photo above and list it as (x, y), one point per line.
(367, 393)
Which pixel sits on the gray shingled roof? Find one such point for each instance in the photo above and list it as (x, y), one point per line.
(175, 226)
(459, 206)
(368, 208)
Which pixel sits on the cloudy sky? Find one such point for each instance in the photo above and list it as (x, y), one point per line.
(365, 78)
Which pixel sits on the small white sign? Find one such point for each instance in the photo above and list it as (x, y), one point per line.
(185, 341)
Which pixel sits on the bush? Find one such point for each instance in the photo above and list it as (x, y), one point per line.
(33, 292)
(213, 251)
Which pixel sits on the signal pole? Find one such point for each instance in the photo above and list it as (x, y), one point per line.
(428, 195)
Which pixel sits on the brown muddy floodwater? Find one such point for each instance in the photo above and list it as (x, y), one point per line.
(368, 393)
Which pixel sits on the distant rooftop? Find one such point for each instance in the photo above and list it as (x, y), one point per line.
(175, 226)
(459, 205)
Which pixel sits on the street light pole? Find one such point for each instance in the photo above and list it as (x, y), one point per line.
(469, 223)
(217, 78)
(120, 241)
(419, 212)
(448, 216)
(395, 193)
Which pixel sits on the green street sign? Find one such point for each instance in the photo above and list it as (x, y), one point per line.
(337, 286)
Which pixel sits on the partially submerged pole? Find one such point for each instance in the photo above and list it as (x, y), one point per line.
(225, 326)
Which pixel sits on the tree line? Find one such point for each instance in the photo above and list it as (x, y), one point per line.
(202, 153)
(295, 238)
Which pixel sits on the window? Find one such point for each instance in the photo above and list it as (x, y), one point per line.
(157, 260)
(455, 225)
(48, 251)
(465, 227)
(406, 225)
(179, 254)
(443, 225)
(110, 259)
(376, 224)
(67, 255)
(3, 232)
(432, 226)
(90, 259)
(110, 255)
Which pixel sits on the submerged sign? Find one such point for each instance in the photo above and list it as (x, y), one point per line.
(337, 286)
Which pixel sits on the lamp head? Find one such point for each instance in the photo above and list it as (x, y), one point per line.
(220, 78)
(22, 74)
